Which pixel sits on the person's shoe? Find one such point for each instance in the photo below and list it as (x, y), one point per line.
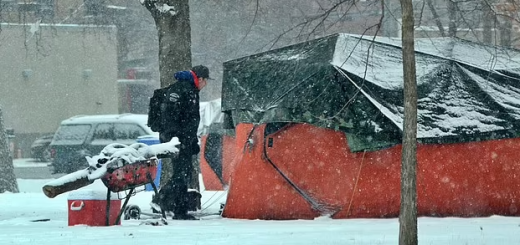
(184, 217)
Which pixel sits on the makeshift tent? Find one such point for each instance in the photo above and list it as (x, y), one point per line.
(319, 124)
(217, 146)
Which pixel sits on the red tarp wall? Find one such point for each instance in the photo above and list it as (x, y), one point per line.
(462, 179)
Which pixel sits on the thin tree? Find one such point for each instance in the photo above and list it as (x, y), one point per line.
(452, 25)
(436, 17)
(487, 24)
(508, 15)
(8, 179)
(408, 210)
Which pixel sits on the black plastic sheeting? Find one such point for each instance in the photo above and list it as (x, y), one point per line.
(213, 153)
(466, 91)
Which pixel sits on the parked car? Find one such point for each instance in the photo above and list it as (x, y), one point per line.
(40, 149)
(82, 136)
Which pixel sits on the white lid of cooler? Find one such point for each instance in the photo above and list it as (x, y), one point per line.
(89, 194)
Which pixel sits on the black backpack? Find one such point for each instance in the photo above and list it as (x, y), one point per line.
(155, 110)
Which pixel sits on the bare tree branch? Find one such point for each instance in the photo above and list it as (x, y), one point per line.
(436, 17)
(452, 25)
(257, 7)
(320, 18)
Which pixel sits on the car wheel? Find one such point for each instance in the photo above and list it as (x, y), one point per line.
(46, 155)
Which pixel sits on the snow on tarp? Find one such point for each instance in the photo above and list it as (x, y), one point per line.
(457, 83)
(466, 91)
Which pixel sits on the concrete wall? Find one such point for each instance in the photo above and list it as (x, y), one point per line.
(54, 73)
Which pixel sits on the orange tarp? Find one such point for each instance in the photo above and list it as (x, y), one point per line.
(462, 179)
(211, 180)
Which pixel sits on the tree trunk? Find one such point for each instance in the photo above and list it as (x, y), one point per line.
(7, 177)
(505, 33)
(174, 32)
(436, 16)
(507, 27)
(452, 12)
(390, 24)
(487, 22)
(408, 210)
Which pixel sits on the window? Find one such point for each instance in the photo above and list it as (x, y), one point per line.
(103, 134)
(71, 134)
(103, 131)
(42, 8)
(94, 7)
(46, 9)
(127, 131)
(8, 5)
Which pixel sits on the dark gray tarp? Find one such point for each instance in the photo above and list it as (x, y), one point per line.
(466, 91)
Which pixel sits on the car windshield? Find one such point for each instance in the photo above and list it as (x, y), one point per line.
(71, 134)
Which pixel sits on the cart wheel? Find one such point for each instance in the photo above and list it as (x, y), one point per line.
(132, 212)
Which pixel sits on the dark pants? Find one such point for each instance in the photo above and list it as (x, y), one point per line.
(174, 195)
(182, 168)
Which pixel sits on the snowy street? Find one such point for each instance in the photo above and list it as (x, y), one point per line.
(19, 214)
(28, 168)
(302, 122)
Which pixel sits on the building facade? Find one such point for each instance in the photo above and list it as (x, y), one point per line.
(52, 72)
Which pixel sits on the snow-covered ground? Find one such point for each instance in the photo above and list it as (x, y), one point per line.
(18, 211)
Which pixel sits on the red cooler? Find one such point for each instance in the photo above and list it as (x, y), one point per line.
(89, 207)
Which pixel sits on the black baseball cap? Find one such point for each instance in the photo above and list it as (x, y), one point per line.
(201, 71)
